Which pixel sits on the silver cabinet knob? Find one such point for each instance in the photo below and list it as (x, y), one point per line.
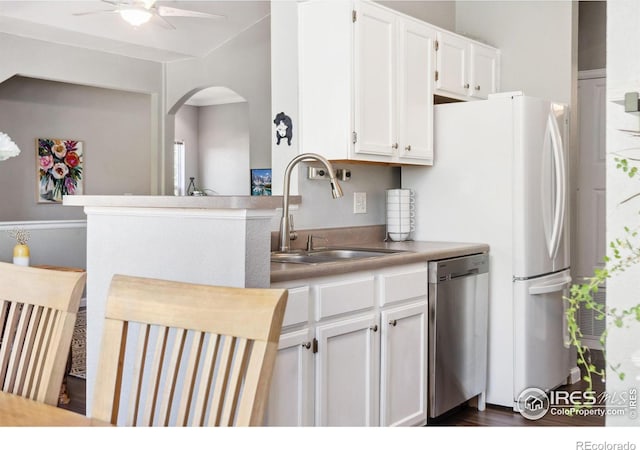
(466, 85)
(477, 87)
(408, 148)
(395, 146)
(393, 322)
(307, 345)
(374, 328)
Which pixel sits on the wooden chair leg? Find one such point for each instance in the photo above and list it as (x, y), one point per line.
(64, 398)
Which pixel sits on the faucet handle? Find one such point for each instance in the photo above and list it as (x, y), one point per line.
(311, 238)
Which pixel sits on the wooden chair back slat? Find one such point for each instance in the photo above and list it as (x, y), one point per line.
(191, 362)
(172, 370)
(38, 309)
(138, 372)
(27, 329)
(206, 378)
(191, 372)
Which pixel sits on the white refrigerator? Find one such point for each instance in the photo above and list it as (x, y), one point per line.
(500, 176)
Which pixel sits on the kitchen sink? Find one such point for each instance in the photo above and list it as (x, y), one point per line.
(327, 255)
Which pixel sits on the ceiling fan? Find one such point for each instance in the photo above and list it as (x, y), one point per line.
(139, 12)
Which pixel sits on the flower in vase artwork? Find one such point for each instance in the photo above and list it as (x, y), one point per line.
(60, 169)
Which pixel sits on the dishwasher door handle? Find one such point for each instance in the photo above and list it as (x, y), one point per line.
(468, 273)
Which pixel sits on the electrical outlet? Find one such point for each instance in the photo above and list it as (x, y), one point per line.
(359, 202)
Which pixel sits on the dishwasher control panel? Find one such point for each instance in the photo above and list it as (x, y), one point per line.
(449, 269)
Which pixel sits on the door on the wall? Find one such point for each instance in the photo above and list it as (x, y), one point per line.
(590, 248)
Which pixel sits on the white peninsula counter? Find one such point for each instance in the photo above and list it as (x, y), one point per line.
(219, 240)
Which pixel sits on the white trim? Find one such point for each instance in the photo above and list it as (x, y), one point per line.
(589, 74)
(225, 214)
(43, 224)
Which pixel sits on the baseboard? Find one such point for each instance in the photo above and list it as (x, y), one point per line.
(574, 375)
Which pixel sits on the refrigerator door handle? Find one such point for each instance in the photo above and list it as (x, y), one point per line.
(551, 287)
(559, 210)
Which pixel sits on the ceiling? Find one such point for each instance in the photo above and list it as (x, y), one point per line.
(53, 21)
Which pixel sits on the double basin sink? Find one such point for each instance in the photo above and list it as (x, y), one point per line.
(327, 255)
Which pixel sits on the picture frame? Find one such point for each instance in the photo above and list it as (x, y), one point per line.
(260, 181)
(59, 169)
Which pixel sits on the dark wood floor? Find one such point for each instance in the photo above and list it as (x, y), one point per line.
(462, 416)
(505, 417)
(76, 389)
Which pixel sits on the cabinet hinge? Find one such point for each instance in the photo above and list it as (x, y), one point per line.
(354, 16)
(436, 44)
(437, 75)
(315, 345)
(354, 137)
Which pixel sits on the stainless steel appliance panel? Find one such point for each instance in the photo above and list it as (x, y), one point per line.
(458, 315)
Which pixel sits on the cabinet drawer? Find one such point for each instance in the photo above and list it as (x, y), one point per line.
(297, 306)
(403, 286)
(344, 296)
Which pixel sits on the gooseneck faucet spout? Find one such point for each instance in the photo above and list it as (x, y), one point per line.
(285, 224)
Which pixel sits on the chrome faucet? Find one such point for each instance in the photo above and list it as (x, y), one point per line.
(285, 224)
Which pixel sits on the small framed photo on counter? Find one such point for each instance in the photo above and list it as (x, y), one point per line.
(260, 181)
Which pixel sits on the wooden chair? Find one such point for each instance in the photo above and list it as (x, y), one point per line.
(38, 311)
(201, 355)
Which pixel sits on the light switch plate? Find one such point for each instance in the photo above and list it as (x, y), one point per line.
(359, 202)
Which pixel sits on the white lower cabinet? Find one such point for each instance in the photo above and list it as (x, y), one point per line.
(403, 387)
(361, 358)
(347, 365)
(291, 395)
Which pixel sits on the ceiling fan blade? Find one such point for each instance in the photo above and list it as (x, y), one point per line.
(167, 11)
(88, 13)
(158, 19)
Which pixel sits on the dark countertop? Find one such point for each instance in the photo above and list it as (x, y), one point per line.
(414, 251)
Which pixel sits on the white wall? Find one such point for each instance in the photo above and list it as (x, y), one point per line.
(223, 156)
(50, 61)
(536, 39)
(114, 127)
(623, 75)
(320, 210)
(439, 13)
(186, 129)
(243, 65)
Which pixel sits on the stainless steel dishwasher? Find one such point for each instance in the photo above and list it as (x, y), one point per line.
(458, 315)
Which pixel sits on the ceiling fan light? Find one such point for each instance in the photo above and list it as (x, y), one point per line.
(135, 16)
(8, 148)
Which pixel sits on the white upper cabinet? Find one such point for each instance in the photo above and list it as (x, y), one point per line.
(465, 69)
(415, 91)
(452, 65)
(375, 88)
(366, 87)
(367, 76)
(393, 88)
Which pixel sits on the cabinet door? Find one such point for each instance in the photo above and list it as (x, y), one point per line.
(291, 394)
(484, 71)
(416, 69)
(452, 63)
(403, 393)
(374, 72)
(347, 365)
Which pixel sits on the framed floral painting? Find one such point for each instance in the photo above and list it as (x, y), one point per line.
(60, 169)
